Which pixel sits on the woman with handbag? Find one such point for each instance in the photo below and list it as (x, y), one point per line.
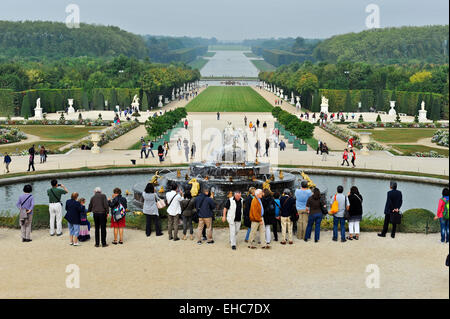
(25, 204)
(354, 213)
(73, 217)
(118, 205)
(315, 207)
(151, 211)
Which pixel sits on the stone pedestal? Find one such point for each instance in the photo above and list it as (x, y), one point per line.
(392, 110)
(365, 141)
(95, 138)
(38, 114)
(324, 108)
(292, 98)
(166, 100)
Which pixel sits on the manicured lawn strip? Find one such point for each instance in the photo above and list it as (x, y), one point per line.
(250, 55)
(229, 99)
(408, 149)
(228, 47)
(400, 135)
(198, 64)
(50, 146)
(263, 66)
(209, 54)
(57, 132)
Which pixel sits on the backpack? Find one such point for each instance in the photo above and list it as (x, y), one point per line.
(446, 206)
(119, 212)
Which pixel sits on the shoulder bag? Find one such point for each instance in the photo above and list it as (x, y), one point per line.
(161, 203)
(23, 212)
(334, 206)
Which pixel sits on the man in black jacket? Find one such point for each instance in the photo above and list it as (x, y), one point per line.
(394, 202)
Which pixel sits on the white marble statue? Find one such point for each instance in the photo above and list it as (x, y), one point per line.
(38, 110)
(422, 113)
(392, 111)
(70, 110)
(324, 105)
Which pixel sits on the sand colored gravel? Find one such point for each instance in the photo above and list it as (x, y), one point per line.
(411, 266)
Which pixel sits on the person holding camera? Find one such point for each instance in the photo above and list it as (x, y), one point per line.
(55, 206)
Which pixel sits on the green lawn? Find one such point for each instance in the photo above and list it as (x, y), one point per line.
(229, 99)
(57, 132)
(263, 66)
(198, 64)
(228, 47)
(250, 55)
(400, 135)
(209, 54)
(408, 149)
(24, 147)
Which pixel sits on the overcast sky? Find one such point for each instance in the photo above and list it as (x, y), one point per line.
(234, 19)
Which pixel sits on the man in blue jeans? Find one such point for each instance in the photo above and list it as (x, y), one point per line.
(338, 218)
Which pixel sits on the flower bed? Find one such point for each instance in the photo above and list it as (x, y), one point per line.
(427, 154)
(345, 134)
(97, 122)
(371, 125)
(111, 134)
(440, 138)
(10, 135)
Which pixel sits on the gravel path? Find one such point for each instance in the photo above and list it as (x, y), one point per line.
(410, 266)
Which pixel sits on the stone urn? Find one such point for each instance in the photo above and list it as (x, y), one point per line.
(95, 138)
(71, 110)
(365, 141)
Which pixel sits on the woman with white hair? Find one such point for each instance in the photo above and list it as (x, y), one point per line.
(98, 205)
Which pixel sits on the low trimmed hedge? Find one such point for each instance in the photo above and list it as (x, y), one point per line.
(419, 220)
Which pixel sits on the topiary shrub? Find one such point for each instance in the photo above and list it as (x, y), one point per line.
(378, 118)
(417, 220)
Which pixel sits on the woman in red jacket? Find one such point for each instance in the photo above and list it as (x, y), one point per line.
(345, 158)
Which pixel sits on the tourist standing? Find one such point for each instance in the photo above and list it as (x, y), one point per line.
(186, 124)
(355, 212)
(245, 120)
(324, 152)
(218, 116)
(187, 213)
(301, 197)
(338, 218)
(25, 204)
(205, 205)
(246, 211)
(150, 149)
(269, 214)
(282, 145)
(118, 204)
(232, 213)
(193, 150)
(31, 152)
(150, 210)
(345, 158)
(73, 217)
(256, 218)
(85, 225)
(174, 199)
(257, 146)
(314, 207)
(98, 205)
(161, 153)
(186, 149)
(319, 147)
(257, 123)
(42, 154)
(277, 224)
(55, 206)
(179, 143)
(394, 202)
(7, 160)
(288, 207)
(143, 149)
(442, 215)
(352, 151)
(166, 148)
(267, 147)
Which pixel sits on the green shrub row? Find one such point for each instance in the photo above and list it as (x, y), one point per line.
(301, 129)
(157, 126)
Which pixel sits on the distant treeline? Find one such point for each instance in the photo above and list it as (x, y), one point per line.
(176, 49)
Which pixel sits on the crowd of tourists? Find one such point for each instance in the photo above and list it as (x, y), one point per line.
(264, 213)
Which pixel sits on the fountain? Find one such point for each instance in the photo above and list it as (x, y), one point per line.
(226, 170)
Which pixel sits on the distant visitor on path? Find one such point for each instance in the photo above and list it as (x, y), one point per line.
(218, 116)
(25, 204)
(7, 161)
(324, 151)
(55, 206)
(345, 158)
(31, 152)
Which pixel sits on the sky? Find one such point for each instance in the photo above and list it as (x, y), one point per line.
(234, 20)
